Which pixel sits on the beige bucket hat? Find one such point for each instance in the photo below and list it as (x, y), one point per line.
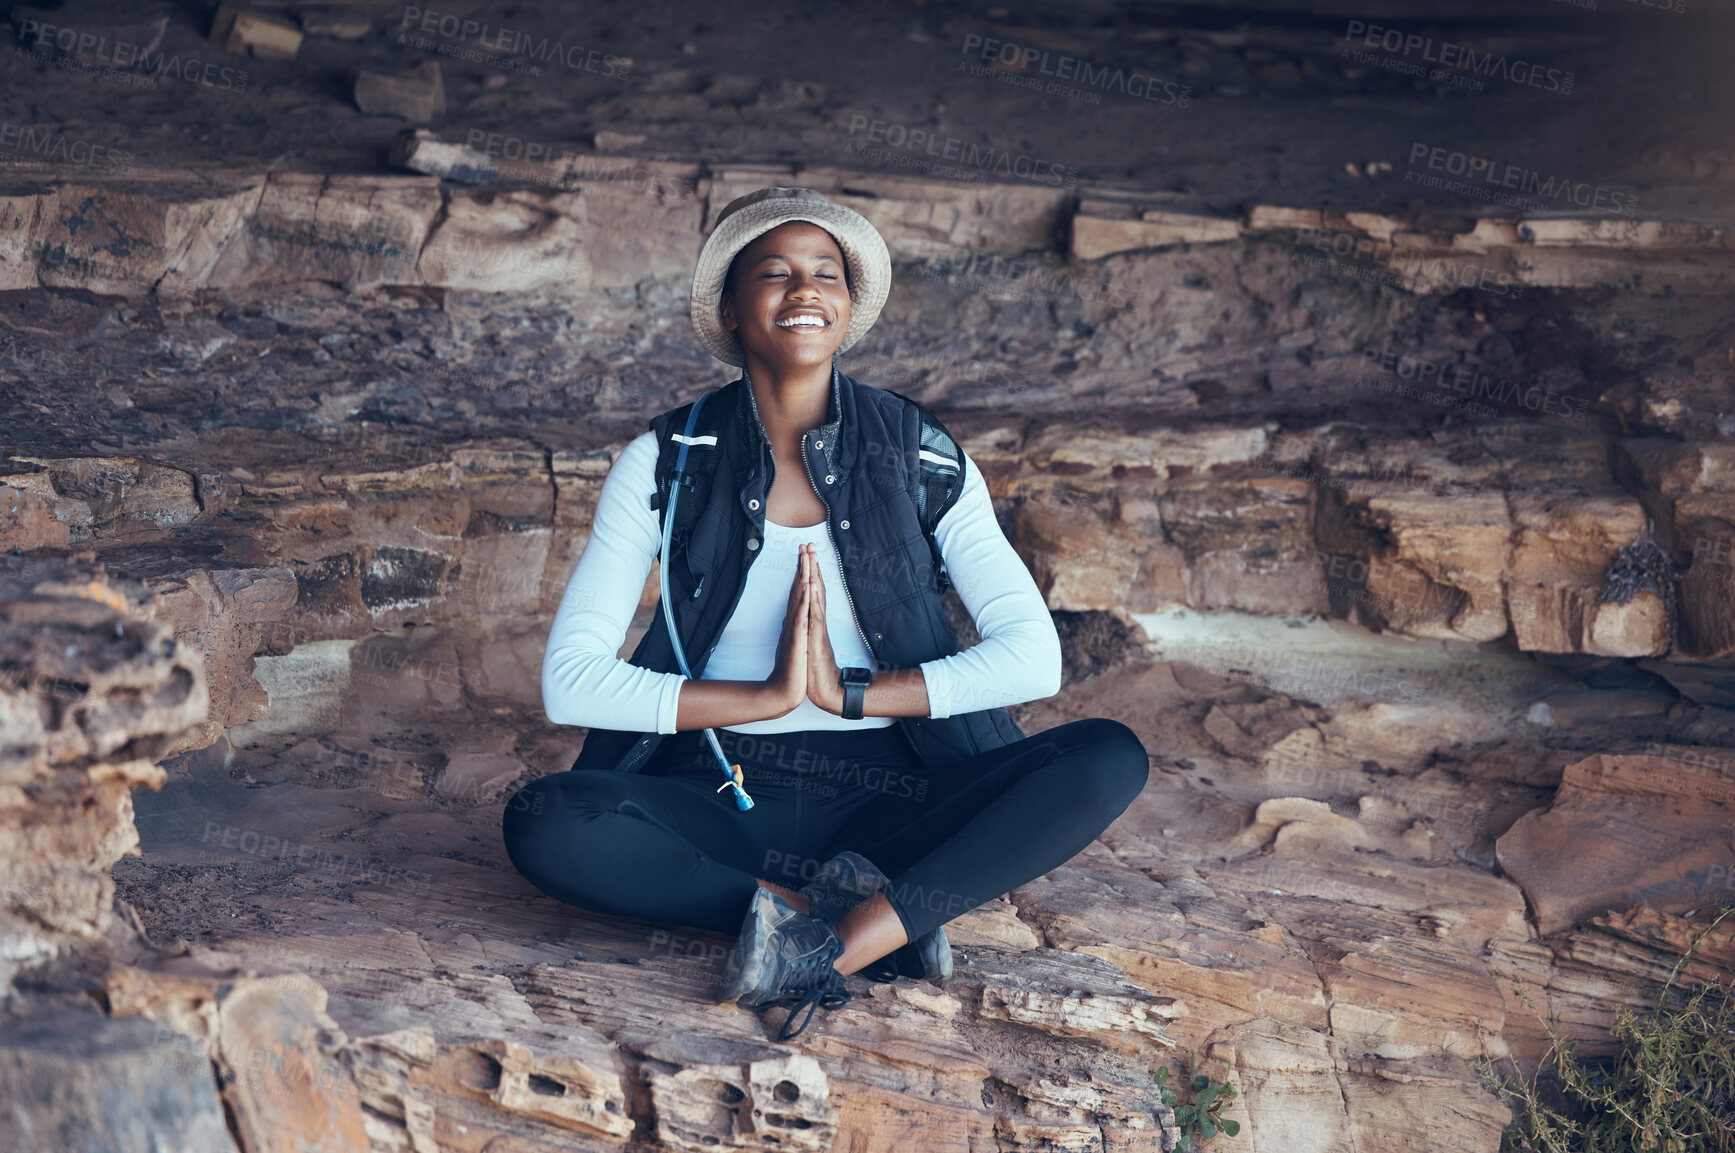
(748, 217)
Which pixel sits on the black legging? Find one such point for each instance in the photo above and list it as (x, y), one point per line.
(663, 844)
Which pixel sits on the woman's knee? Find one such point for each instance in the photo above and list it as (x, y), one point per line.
(1115, 760)
(546, 811)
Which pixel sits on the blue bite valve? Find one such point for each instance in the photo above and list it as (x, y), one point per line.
(743, 802)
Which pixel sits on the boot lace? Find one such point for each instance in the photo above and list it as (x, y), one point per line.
(812, 984)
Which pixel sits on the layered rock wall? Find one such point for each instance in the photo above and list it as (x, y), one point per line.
(1343, 893)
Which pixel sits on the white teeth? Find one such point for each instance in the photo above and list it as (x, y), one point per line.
(804, 320)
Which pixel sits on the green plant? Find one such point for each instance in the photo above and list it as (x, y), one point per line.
(1671, 1089)
(1201, 1118)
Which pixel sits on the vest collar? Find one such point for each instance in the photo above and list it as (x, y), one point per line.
(830, 434)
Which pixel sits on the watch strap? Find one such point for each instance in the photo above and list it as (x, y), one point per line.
(854, 691)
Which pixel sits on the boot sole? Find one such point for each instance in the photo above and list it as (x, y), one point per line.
(738, 981)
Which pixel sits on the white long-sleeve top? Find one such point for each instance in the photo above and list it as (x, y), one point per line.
(585, 682)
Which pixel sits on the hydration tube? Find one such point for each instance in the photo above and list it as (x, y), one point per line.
(743, 802)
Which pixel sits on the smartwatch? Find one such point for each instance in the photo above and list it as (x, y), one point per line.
(855, 682)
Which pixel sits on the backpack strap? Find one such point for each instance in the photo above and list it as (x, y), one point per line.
(939, 481)
(696, 435)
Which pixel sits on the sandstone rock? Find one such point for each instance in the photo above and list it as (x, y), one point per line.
(28, 516)
(614, 141)
(1578, 710)
(769, 1103)
(1704, 684)
(421, 150)
(1458, 544)
(237, 30)
(478, 776)
(1707, 624)
(89, 690)
(220, 613)
(1094, 237)
(419, 96)
(512, 241)
(355, 230)
(1622, 831)
(113, 497)
(78, 1080)
(305, 690)
(337, 23)
(562, 1090)
(994, 925)
(1290, 1098)
(1354, 948)
(275, 1052)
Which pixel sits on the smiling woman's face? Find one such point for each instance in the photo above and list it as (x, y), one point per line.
(794, 271)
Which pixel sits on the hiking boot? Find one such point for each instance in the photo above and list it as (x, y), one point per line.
(783, 957)
(927, 958)
(850, 878)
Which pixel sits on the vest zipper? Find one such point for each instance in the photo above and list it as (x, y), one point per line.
(741, 585)
(828, 535)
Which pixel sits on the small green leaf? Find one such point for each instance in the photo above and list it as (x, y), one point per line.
(1200, 1082)
(1207, 1129)
(1230, 1126)
(1169, 1098)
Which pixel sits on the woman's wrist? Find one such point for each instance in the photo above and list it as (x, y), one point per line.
(893, 693)
(828, 695)
(775, 701)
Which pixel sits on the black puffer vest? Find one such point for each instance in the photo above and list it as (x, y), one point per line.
(863, 462)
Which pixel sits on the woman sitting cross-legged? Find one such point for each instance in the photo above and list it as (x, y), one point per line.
(883, 789)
